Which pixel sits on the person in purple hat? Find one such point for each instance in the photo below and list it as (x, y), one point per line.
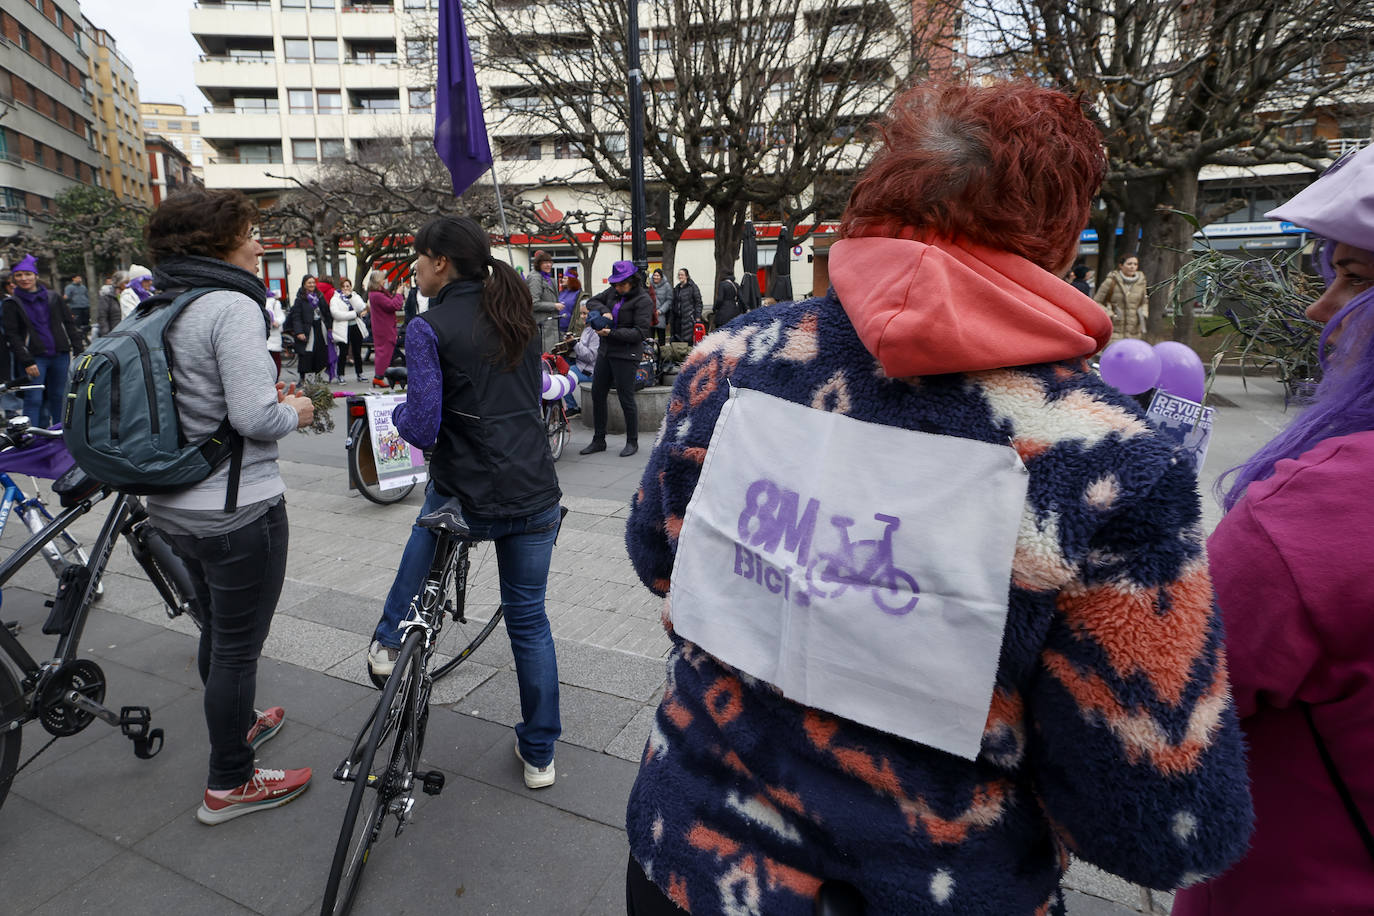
(40, 331)
(623, 315)
(1298, 599)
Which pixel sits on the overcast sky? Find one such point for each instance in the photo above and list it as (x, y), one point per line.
(157, 41)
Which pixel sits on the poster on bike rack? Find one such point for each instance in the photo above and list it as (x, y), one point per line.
(398, 464)
(859, 568)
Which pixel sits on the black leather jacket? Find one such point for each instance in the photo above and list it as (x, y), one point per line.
(634, 323)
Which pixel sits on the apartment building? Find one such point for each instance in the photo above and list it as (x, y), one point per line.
(294, 84)
(48, 140)
(178, 127)
(169, 169)
(123, 164)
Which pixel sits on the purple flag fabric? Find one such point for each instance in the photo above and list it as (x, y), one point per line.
(460, 131)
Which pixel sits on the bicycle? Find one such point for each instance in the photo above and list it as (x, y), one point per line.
(362, 456)
(555, 414)
(65, 693)
(396, 726)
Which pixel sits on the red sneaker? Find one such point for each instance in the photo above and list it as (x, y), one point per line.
(267, 789)
(269, 722)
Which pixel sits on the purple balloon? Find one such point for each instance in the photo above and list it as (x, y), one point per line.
(1180, 371)
(1131, 366)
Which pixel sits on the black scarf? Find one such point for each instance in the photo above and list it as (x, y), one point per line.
(189, 271)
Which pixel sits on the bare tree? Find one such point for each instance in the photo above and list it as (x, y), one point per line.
(746, 101)
(377, 201)
(1179, 85)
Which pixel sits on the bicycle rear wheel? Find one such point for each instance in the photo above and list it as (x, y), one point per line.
(11, 703)
(386, 766)
(169, 575)
(556, 428)
(362, 468)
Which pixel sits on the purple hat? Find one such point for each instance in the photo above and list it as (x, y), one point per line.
(621, 270)
(1340, 204)
(30, 263)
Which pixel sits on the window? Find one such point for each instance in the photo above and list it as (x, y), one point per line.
(195, 126)
(304, 151)
(333, 150)
(616, 144)
(521, 148)
(293, 4)
(422, 100)
(321, 4)
(248, 104)
(418, 49)
(299, 101)
(567, 148)
(174, 125)
(378, 102)
(326, 49)
(330, 101)
(259, 153)
(415, 4)
(297, 49)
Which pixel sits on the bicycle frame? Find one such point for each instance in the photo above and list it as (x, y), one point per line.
(36, 542)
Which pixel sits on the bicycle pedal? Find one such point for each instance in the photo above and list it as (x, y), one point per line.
(433, 782)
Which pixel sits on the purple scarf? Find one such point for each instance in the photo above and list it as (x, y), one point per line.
(143, 294)
(40, 319)
(615, 309)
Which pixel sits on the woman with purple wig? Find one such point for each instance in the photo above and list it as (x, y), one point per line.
(1299, 603)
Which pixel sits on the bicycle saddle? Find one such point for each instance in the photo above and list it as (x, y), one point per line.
(74, 486)
(397, 374)
(839, 898)
(448, 517)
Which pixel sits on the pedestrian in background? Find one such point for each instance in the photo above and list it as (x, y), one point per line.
(940, 393)
(384, 305)
(1290, 564)
(109, 308)
(1125, 295)
(139, 288)
(1080, 279)
(42, 335)
(348, 310)
(308, 324)
(79, 301)
(727, 307)
(662, 292)
(275, 318)
(569, 294)
(544, 293)
(685, 308)
(622, 315)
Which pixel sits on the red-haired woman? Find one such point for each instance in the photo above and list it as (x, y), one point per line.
(939, 603)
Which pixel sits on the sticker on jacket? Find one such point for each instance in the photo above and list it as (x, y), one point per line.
(861, 569)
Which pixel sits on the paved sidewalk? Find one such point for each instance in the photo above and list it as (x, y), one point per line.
(88, 828)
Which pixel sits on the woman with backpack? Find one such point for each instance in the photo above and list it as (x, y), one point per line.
(235, 548)
(623, 317)
(309, 324)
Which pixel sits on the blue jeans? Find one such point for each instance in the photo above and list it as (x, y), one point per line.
(44, 408)
(581, 376)
(524, 547)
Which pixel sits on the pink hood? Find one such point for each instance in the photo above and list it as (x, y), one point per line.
(928, 308)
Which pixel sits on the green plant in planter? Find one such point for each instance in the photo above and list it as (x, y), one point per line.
(1259, 304)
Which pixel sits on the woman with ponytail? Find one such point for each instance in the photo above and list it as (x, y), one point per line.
(1290, 563)
(473, 397)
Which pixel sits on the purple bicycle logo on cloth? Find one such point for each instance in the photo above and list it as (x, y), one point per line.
(773, 518)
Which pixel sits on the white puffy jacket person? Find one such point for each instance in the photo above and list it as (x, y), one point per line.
(348, 309)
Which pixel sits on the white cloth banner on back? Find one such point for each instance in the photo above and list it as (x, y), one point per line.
(862, 569)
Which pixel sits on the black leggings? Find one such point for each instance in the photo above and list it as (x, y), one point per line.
(621, 373)
(643, 897)
(355, 344)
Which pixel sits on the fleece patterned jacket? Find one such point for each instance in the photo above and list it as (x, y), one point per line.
(1111, 733)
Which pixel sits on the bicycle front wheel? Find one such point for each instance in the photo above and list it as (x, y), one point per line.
(11, 704)
(362, 468)
(385, 767)
(556, 428)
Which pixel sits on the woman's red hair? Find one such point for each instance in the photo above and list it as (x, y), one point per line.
(1009, 165)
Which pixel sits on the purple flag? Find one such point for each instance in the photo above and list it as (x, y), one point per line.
(460, 131)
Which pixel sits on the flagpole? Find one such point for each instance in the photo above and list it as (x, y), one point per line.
(501, 209)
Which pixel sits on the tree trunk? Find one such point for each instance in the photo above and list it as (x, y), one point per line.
(88, 257)
(729, 220)
(1166, 240)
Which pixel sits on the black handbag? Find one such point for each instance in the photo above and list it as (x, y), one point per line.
(1342, 789)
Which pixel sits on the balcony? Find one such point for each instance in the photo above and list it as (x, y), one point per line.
(1339, 146)
(235, 73)
(234, 18)
(240, 123)
(220, 173)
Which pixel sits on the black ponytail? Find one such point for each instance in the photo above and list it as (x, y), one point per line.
(505, 297)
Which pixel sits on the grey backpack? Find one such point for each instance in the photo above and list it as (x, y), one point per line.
(121, 423)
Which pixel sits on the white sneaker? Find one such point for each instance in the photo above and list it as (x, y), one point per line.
(381, 660)
(535, 777)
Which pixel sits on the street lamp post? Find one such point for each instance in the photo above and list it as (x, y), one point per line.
(639, 248)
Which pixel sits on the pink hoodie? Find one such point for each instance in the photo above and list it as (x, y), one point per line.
(1292, 567)
(960, 308)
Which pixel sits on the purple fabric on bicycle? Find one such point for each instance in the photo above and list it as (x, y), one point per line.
(43, 458)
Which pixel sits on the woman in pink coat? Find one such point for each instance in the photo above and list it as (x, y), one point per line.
(1293, 567)
(384, 305)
